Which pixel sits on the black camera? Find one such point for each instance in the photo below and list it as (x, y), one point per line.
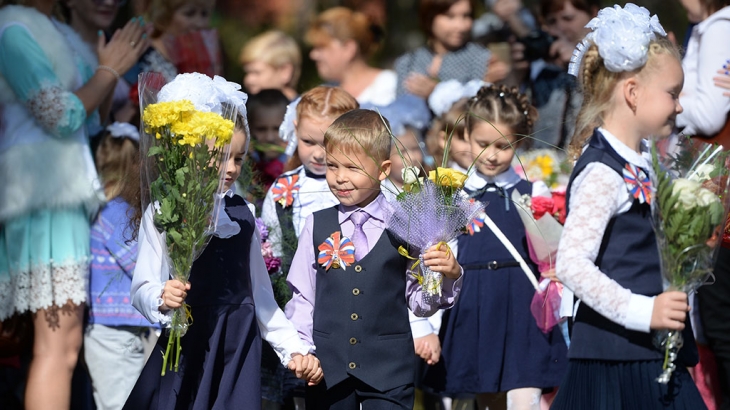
(537, 45)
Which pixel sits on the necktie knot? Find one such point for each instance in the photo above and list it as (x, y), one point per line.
(359, 239)
(359, 218)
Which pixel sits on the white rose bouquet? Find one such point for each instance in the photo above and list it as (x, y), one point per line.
(688, 210)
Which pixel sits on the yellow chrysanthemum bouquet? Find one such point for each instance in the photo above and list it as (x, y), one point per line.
(188, 125)
(430, 211)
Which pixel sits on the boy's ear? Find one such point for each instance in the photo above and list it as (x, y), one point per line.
(384, 170)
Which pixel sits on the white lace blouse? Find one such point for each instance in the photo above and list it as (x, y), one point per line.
(598, 194)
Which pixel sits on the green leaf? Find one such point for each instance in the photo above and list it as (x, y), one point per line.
(155, 150)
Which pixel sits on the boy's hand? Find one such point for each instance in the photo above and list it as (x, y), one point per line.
(670, 311)
(428, 348)
(440, 259)
(173, 294)
(306, 368)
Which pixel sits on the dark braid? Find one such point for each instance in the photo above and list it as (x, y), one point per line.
(504, 105)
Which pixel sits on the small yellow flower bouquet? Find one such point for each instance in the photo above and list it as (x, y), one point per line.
(428, 212)
(188, 125)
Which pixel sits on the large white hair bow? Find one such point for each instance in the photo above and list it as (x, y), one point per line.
(446, 93)
(622, 36)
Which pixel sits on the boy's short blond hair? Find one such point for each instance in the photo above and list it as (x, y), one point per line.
(360, 131)
(276, 49)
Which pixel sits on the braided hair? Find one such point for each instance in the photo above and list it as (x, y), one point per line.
(503, 105)
(598, 84)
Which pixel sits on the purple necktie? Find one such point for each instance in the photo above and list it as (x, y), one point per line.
(359, 239)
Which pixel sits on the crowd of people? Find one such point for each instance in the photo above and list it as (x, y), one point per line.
(85, 300)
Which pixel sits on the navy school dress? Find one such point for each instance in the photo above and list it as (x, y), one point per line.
(221, 352)
(491, 342)
(611, 367)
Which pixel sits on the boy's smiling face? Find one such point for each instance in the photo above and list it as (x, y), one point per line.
(353, 176)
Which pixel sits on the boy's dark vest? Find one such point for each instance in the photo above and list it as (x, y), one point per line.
(628, 255)
(361, 326)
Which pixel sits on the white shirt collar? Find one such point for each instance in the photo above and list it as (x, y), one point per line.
(506, 180)
(641, 160)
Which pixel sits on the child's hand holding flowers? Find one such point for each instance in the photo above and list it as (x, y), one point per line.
(440, 259)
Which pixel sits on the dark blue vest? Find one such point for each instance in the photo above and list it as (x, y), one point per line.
(361, 326)
(224, 264)
(628, 255)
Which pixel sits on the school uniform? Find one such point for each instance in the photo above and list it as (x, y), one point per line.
(357, 315)
(491, 342)
(294, 196)
(233, 308)
(614, 362)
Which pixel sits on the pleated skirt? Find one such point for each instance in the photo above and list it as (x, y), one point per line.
(608, 385)
(44, 260)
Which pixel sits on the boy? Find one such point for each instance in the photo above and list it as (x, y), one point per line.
(354, 308)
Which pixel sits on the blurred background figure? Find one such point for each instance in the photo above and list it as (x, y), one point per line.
(48, 95)
(342, 41)
(271, 60)
(266, 111)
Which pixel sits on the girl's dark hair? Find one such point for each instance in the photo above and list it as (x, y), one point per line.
(712, 6)
(504, 105)
(429, 9)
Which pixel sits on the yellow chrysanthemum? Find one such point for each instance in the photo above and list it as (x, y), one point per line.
(545, 162)
(447, 177)
(203, 126)
(166, 113)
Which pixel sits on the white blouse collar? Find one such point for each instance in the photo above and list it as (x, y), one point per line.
(641, 160)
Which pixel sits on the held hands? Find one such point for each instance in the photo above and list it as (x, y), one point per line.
(670, 311)
(124, 48)
(428, 348)
(440, 259)
(173, 294)
(306, 368)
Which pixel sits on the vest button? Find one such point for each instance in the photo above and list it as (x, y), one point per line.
(352, 365)
(353, 340)
(354, 316)
(358, 268)
(356, 291)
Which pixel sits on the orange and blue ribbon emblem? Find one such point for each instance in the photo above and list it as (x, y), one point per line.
(284, 189)
(477, 223)
(638, 183)
(335, 252)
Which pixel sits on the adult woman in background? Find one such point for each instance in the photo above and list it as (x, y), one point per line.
(47, 93)
(705, 107)
(706, 113)
(342, 42)
(448, 53)
(271, 60)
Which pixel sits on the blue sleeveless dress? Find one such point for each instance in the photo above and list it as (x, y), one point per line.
(491, 342)
(221, 352)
